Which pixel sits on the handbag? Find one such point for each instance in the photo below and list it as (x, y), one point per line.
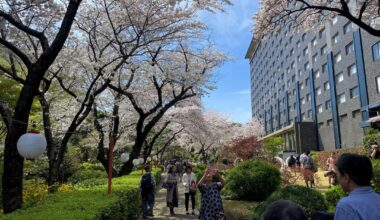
(193, 187)
(220, 216)
(167, 185)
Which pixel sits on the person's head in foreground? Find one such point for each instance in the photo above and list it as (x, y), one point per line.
(353, 171)
(283, 210)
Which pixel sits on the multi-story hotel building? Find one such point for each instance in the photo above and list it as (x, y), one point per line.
(317, 90)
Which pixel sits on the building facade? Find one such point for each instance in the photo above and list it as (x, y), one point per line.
(318, 90)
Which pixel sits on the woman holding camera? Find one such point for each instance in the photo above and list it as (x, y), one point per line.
(211, 202)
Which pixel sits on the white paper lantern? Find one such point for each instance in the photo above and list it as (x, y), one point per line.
(155, 157)
(124, 157)
(31, 145)
(135, 162)
(141, 161)
(149, 159)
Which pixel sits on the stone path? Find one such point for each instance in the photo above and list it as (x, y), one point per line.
(161, 212)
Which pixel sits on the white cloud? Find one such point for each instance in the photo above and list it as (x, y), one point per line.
(243, 92)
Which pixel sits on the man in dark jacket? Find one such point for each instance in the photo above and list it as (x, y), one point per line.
(147, 186)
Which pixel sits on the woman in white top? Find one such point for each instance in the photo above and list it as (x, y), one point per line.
(189, 180)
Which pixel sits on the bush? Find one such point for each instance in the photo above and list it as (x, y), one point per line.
(309, 199)
(34, 191)
(321, 156)
(333, 196)
(81, 175)
(253, 180)
(376, 175)
(198, 170)
(368, 139)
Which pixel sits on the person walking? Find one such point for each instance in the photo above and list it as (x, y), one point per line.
(211, 201)
(147, 186)
(189, 180)
(308, 169)
(375, 151)
(330, 163)
(172, 189)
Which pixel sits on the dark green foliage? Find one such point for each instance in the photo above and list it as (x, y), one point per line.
(333, 196)
(309, 199)
(368, 139)
(376, 175)
(253, 180)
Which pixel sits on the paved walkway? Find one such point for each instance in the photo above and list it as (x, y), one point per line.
(162, 212)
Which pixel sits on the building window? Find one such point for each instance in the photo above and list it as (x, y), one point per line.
(314, 41)
(293, 78)
(318, 91)
(299, 58)
(350, 48)
(324, 50)
(343, 117)
(376, 51)
(335, 38)
(354, 92)
(328, 104)
(322, 33)
(303, 101)
(315, 58)
(324, 68)
(307, 66)
(298, 44)
(352, 70)
(326, 86)
(294, 92)
(305, 51)
(334, 19)
(309, 113)
(303, 116)
(337, 58)
(307, 81)
(301, 86)
(329, 122)
(347, 27)
(320, 108)
(378, 84)
(339, 77)
(294, 106)
(293, 65)
(303, 37)
(291, 52)
(317, 74)
(308, 97)
(341, 98)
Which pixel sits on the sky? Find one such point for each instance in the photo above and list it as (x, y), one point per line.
(231, 33)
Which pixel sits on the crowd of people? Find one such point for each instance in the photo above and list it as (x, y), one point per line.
(353, 172)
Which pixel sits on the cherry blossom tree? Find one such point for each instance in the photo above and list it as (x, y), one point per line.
(305, 14)
(33, 33)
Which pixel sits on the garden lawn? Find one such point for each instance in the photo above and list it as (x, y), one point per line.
(89, 202)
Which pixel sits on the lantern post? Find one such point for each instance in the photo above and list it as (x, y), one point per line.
(110, 161)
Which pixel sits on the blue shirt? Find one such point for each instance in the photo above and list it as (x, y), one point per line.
(361, 204)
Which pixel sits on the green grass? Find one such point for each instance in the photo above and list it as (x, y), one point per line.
(237, 209)
(88, 202)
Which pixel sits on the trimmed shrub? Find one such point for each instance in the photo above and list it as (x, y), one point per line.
(253, 180)
(321, 156)
(333, 196)
(309, 199)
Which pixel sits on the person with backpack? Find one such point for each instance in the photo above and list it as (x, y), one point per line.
(189, 180)
(291, 161)
(308, 169)
(147, 186)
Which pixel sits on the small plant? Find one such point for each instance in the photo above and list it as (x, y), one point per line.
(253, 180)
(376, 175)
(34, 190)
(333, 196)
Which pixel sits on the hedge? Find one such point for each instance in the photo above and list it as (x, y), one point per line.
(89, 202)
(321, 156)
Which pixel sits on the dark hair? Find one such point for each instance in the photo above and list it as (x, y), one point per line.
(170, 169)
(283, 210)
(189, 167)
(147, 168)
(357, 167)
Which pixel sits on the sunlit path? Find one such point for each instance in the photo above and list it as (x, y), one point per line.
(162, 212)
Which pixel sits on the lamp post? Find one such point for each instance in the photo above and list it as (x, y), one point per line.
(110, 161)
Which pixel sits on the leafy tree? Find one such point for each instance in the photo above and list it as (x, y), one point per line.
(272, 146)
(243, 147)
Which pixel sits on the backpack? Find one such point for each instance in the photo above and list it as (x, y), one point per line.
(146, 183)
(291, 161)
